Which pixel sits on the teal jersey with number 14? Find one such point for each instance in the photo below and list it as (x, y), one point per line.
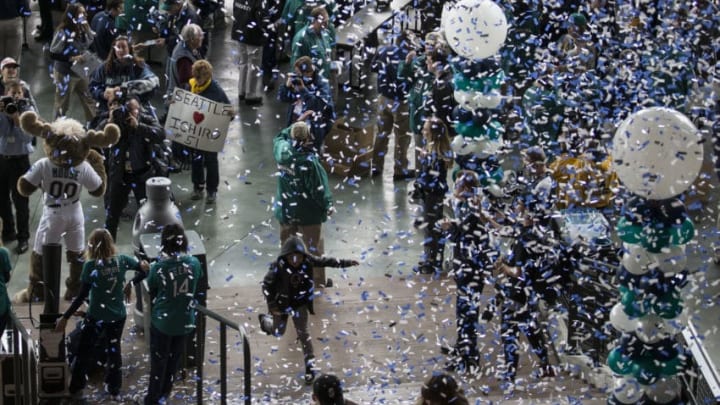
(172, 283)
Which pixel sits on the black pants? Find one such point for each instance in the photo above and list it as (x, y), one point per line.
(433, 244)
(91, 331)
(467, 310)
(518, 317)
(269, 58)
(4, 320)
(165, 353)
(46, 20)
(118, 195)
(12, 168)
(205, 162)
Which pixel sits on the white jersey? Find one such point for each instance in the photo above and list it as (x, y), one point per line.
(62, 186)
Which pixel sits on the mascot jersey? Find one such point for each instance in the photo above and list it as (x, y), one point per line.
(62, 187)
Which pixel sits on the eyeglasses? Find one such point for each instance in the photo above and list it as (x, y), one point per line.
(11, 67)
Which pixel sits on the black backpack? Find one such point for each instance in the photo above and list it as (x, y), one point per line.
(98, 349)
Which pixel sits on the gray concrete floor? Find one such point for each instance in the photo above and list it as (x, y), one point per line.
(372, 223)
(373, 219)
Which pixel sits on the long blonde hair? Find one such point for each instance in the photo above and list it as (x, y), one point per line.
(437, 139)
(101, 245)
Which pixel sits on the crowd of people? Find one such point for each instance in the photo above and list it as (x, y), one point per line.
(573, 70)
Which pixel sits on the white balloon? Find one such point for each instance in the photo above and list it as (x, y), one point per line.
(463, 146)
(627, 390)
(480, 147)
(446, 13)
(671, 259)
(475, 29)
(659, 151)
(636, 259)
(488, 147)
(488, 100)
(651, 328)
(472, 100)
(620, 320)
(664, 391)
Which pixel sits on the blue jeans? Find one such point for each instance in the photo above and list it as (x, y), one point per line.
(165, 353)
(202, 161)
(91, 331)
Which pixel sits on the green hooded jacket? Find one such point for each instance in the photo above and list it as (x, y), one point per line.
(296, 14)
(303, 195)
(318, 46)
(137, 16)
(419, 80)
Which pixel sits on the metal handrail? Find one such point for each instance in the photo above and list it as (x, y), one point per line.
(24, 363)
(247, 361)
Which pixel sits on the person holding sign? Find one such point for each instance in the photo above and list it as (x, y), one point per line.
(202, 84)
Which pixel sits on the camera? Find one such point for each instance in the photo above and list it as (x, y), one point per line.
(119, 114)
(295, 80)
(159, 21)
(11, 106)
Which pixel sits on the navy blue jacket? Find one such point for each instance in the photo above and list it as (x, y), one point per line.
(385, 64)
(215, 93)
(104, 26)
(314, 97)
(10, 9)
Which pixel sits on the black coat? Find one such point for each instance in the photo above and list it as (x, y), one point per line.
(286, 287)
(135, 146)
(252, 22)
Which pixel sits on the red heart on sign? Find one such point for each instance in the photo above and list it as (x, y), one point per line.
(198, 117)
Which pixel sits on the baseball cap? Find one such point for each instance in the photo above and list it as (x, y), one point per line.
(8, 62)
(328, 390)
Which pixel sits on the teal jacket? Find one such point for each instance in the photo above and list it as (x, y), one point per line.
(419, 80)
(137, 16)
(318, 46)
(296, 15)
(303, 196)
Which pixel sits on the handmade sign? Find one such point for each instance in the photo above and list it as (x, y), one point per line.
(198, 122)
